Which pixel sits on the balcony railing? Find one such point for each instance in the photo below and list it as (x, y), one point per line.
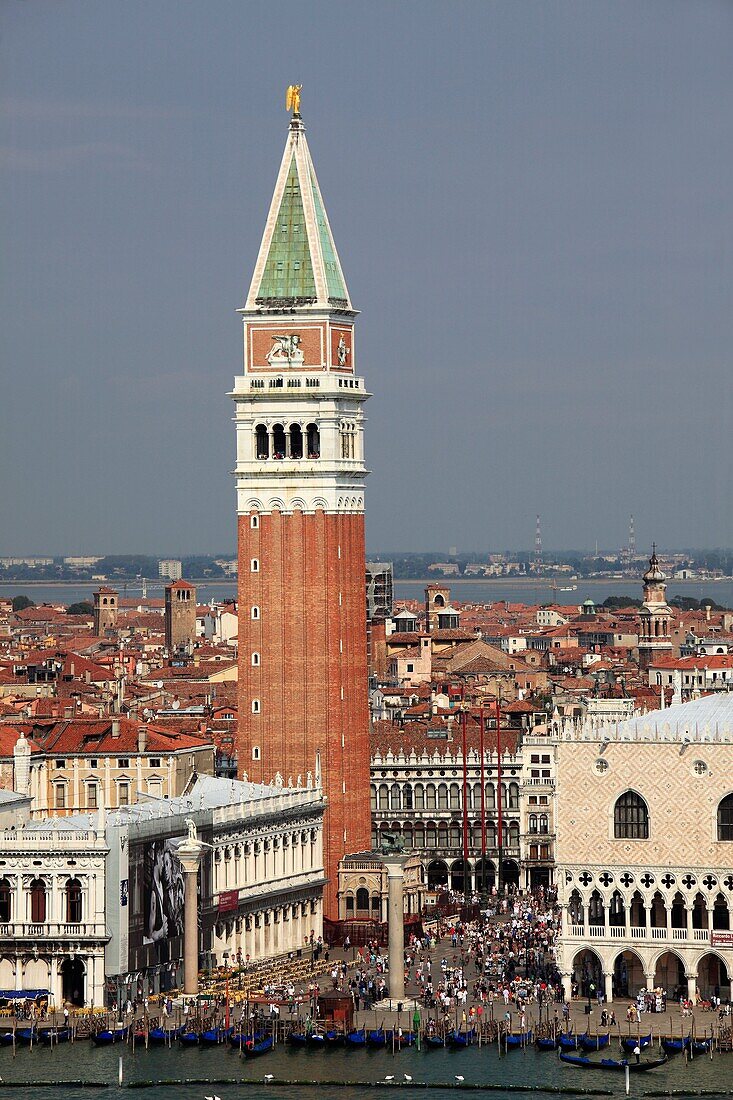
(632, 932)
(52, 930)
(449, 814)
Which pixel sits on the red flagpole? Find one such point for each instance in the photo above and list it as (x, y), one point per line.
(483, 801)
(464, 722)
(498, 793)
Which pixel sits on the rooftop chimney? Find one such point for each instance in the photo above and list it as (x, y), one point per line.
(142, 739)
(115, 727)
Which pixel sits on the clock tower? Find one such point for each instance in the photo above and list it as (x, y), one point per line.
(299, 414)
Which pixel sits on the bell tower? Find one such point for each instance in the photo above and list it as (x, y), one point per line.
(299, 414)
(655, 615)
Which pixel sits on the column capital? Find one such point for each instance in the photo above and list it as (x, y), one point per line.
(394, 863)
(189, 855)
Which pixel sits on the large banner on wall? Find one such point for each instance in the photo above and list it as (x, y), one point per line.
(163, 891)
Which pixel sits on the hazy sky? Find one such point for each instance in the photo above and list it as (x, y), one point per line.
(533, 205)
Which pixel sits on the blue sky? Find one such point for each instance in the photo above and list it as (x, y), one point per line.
(533, 205)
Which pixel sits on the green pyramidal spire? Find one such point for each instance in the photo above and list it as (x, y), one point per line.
(297, 263)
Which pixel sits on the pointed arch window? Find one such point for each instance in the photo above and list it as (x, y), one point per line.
(725, 818)
(630, 817)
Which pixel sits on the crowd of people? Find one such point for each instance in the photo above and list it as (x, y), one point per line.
(500, 961)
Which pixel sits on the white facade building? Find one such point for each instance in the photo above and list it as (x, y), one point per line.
(53, 930)
(645, 851)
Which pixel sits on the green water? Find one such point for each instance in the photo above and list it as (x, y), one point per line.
(309, 1072)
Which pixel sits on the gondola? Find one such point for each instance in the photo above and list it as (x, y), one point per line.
(334, 1038)
(107, 1035)
(297, 1039)
(254, 1048)
(399, 1039)
(546, 1044)
(433, 1042)
(316, 1040)
(641, 1041)
(594, 1042)
(460, 1039)
(612, 1063)
(356, 1040)
(377, 1038)
(214, 1035)
(570, 1042)
(700, 1046)
(51, 1035)
(239, 1038)
(6, 1038)
(158, 1036)
(521, 1039)
(675, 1046)
(25, 1035)
(189, 1039)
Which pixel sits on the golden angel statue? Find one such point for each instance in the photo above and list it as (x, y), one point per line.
(292, 98)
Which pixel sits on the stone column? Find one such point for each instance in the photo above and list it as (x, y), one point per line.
(691, 987)
(608, 979)
(395, 867)
(189, 853)
(567, 986)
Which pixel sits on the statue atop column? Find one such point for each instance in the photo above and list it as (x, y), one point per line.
(391, 844)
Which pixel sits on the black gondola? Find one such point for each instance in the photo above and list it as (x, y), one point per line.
(641, 1041)
(594, 1042)
(356, 1040)
(107, 1035)
(50, 1035)
(612, 1063)
(522, 1039)
(570, 1042)
(675, 1046)
(253, 1049)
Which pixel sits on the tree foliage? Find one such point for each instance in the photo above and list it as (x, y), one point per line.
(21, 602)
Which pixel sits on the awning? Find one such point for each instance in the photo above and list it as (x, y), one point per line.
(23, 994)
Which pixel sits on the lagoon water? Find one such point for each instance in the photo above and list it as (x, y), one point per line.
(306, 1070)
(469, 591)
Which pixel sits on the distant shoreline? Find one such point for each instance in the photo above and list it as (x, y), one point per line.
(529, 582)
(545, 583)
(159, 582)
